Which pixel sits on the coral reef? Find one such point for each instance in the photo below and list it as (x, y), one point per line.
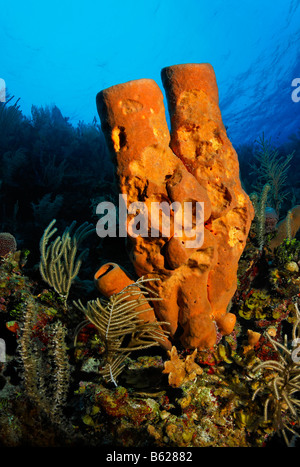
(58, 266)
(84, 368)
(280, 382)
(110, 279)
(196, 163)
(8, 243)
(123, 315)
(202, 398)
(271, 169)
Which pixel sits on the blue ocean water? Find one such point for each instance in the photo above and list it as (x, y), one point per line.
(63, 53)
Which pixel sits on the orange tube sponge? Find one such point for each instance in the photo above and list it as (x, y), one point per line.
(199, 139)
(196, 163)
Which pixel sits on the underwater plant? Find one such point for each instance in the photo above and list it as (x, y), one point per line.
(118, 319)
(280, 382)
(10, 120)
(270, 168)
(260, 204)
(49, 172)
(46, 208)
(58, 266)
(13, 165)
(47, 393)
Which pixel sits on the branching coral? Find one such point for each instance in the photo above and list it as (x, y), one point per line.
(49, 394)
(271, 169)
(46, 208)
(62, 368)
(10, 118)
(118, 319)
(50, 172)
(271, 191)
(280, 383)
(260, 205)
(14, 163)
(58, 265)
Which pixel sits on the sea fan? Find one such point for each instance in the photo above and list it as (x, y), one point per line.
(59, 265)
(120, 327)
(272, 169)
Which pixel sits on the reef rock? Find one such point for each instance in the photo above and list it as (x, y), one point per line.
(195, 164)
